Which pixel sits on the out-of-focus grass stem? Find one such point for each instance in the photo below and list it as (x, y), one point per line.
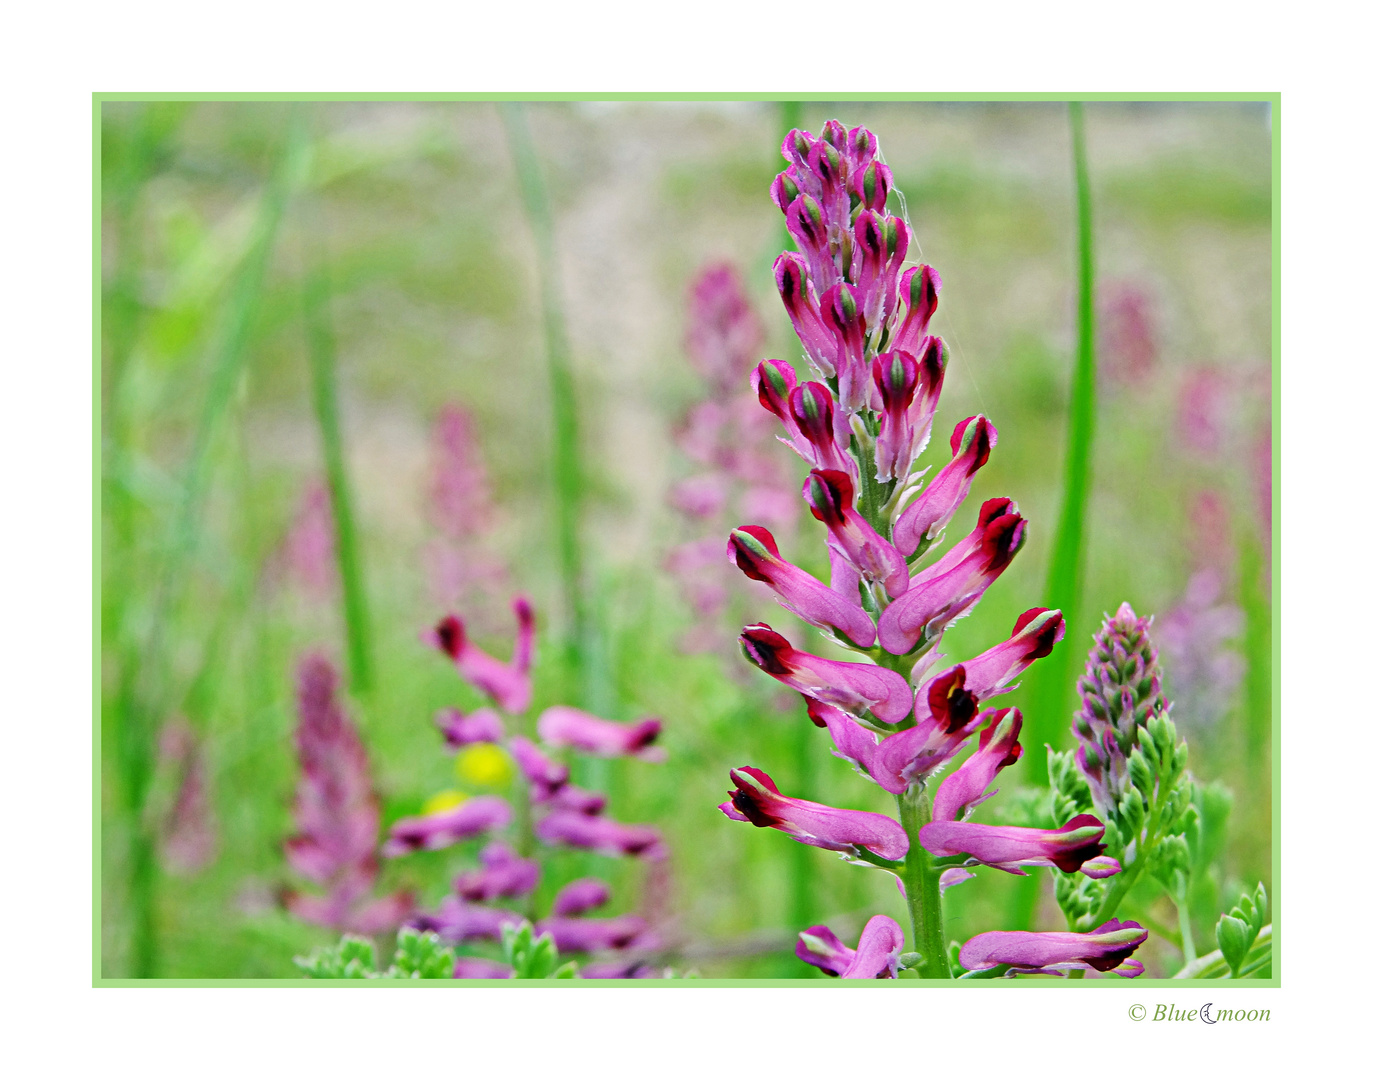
(568, 482)
(324, 385)
(144, 699)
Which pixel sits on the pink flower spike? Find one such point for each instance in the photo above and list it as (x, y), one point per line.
(799, 298)
(754, 551)
(928, 515)
(854, 687)
(431, 832)
(562, 725)
(951, 587)
(756, 799)
(895, 374)
(829, 493)
(1010, 847)
(1106, 948)
(459, 729)
(966, 787)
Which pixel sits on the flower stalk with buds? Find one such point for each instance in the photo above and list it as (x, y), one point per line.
(899, 715)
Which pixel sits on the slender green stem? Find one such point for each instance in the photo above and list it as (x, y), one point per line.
(923, 899)
(568, 482)
(1189, 946)
(1063, 590)
(324, 384)
(1258, 651)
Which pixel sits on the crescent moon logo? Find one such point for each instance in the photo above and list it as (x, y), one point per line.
(1206, 1019)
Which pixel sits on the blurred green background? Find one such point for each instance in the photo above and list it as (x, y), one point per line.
(388, 245)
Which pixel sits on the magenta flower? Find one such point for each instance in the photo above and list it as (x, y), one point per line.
(336, 814)
(464, 729)
(919, 291)
(967, 785)
(852, 832)
(307, 550)
(824, 431)
(430, 832)
(951, 587)
(829, 493)
(878, 955)
(908, 387)
(595, 935)
(1107, 948)
(572, 799)
(1075, 846)
(506, 684)
(754, 551)
(577, 897)
(935, 507)
(545, 775)
(503, 873)
(600, 834)
(474, 967)
(562, 725)
(724, 333)
(1032, 638)
(458, 921)
(853, 687)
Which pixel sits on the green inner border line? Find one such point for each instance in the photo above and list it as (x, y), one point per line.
(1274, 102)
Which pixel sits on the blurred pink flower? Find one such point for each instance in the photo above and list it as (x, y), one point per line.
(1129, 339)
(336, 814)
(189, 840)
(307, 551)
(1196, 640)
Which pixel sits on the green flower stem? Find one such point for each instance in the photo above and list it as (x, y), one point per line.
(921, 878)
(1189, 946)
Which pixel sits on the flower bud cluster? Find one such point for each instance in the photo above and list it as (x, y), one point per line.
(551, 810)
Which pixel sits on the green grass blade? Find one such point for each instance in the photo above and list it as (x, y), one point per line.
(324, 386)
(568, 475)
(1046, 718)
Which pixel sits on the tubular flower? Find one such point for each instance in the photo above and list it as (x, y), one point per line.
(855, 687)
(430, 832)
(595, 935)
(967, 785)
(503, 873)
(908, 386)
(459, 730)
(951, 587)
(600, 834)
(927, 516)
(580, 896)
(753, 550)
(1120, 690)
(545, 776)
(824, 432)
(878, 955)
(562, 725)
(829, 494)
(458, 921)
(1075, 846)
(1032, 638)
(506, 684)
(757, 799)
(1107, 948)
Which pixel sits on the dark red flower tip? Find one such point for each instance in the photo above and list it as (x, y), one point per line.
(1070, 861)
(950, 704)
(764, 647)
(451, 635)
(829, 493)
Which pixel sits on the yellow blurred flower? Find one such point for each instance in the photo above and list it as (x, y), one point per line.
(444, 800)
(485, 764)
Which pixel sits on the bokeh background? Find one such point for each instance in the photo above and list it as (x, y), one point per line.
(252, 253)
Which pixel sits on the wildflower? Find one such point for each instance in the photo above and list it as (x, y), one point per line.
(855, 687)
(600, 834)
(336, 814)
(562, 725)
(430, 832)
(506, 684)
(1120, 690)
(878, 955)
(307, 551)
(188, 833)
(1075, 846)
(927, 516)
(595, 935)
(852, 832)
(503, 873)
(580, 896)
(479, 726)
(1107, 948)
